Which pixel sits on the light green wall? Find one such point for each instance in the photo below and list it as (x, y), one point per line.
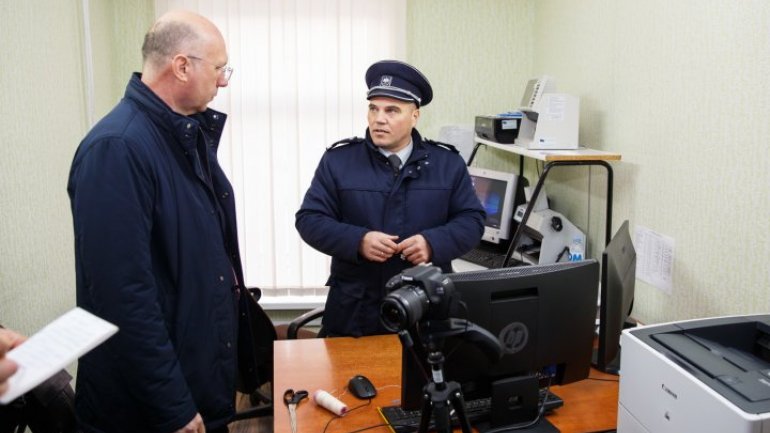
(680, 89)
(118, 29)
(477, 54)
(43, 116)
(42, 106)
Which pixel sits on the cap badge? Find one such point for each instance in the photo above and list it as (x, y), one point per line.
(386, 80)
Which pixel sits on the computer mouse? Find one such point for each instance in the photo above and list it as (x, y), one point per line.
(361, 387)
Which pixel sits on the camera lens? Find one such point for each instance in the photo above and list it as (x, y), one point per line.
(402, 308)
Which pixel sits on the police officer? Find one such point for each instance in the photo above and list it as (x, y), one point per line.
(387, 202)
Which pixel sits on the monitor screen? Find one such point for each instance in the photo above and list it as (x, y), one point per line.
(616, 299)
(543, 315)
(496, 191)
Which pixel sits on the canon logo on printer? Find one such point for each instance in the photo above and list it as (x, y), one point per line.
(668, 391)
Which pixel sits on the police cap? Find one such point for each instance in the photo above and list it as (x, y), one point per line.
(398, 80)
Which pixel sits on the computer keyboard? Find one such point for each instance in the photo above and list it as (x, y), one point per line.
(484, 258)
(404, 421)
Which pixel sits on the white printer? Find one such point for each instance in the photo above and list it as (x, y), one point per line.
(547, 237)
(705, 375)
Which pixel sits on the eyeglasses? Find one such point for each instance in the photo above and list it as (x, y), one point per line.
(225, 70)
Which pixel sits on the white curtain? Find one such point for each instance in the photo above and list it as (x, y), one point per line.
(298, 86)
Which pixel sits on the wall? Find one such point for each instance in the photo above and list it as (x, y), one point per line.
(43, 115)
(117, 29)
(42, 106)
(679, 89)
(477, 54)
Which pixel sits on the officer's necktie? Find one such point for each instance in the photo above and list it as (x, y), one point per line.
(395, 163)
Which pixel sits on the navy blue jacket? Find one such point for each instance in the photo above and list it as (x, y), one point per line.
(354, 191)
(156, 254)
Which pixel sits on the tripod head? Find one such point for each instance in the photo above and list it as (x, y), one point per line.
(421, 302)
(433, 333)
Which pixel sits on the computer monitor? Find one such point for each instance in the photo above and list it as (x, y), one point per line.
(544, 317)
(616, 299)
(496, 191)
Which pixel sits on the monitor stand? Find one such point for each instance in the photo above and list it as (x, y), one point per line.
(613, 367)
(515, 405)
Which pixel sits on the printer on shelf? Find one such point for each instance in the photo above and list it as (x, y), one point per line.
(501, 128)
(552, 124)
(704, 375)
(547, 237)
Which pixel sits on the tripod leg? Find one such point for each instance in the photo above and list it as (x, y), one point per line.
(442, 417)
(427, 407)
(458, 402)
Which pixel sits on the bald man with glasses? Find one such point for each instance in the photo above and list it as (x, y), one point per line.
(156, 249)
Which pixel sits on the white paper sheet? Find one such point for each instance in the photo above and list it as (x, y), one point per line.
(655, 254)
(54, 347)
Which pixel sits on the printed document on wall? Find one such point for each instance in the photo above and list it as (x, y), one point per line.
(655, 258)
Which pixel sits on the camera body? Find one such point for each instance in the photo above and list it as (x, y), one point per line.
(421, 292)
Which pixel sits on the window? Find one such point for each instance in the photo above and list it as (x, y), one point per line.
(298, 87)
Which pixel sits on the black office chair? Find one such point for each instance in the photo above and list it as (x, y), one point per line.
(48, 408)
(256, 350)
(295, 329)
(256, 335)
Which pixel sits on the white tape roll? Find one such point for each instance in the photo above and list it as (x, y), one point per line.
(328, 402)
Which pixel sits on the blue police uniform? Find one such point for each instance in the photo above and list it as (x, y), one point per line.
(355, 191)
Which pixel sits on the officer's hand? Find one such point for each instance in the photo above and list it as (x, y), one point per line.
(378, 246)
(8, 340)
(415, 249)
(194, 426)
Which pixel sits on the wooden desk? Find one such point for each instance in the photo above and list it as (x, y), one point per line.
(328, 364)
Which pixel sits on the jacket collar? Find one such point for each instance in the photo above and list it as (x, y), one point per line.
(184, 128)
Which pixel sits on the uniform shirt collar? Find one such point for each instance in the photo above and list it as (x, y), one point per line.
(403, 154)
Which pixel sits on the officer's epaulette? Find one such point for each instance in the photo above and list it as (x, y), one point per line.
(351, 140)
(440, 144)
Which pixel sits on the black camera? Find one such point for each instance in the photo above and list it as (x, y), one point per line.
(421, 292)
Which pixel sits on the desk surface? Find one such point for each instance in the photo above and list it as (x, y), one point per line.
(328, 364)
(580, 154)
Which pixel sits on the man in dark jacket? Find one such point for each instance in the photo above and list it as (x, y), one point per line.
(387, 202)
(156, 250)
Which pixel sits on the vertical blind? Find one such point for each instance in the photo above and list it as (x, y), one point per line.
(298, 86)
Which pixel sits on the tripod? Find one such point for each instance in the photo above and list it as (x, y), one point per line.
(439, 396)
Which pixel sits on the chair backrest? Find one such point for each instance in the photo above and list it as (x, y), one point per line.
(48, 408)
(256, 335)
(255, 353)
(295, 328)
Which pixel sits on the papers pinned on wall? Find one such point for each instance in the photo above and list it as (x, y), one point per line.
(655, 258)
